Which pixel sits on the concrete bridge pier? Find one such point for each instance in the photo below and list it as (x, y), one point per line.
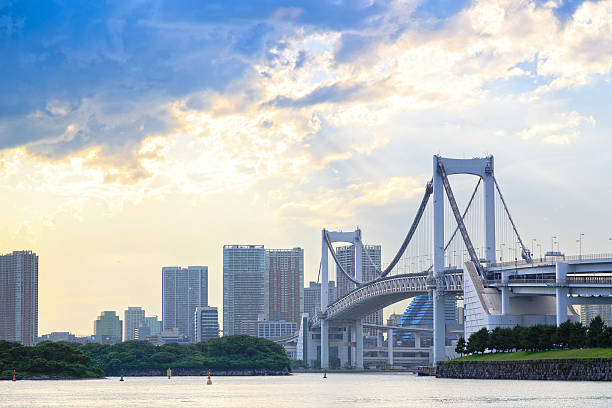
(324, 344)
(359, 343)
(417, 340)
(379, 338)
(561, 269)
(505, 295)
(390, 346)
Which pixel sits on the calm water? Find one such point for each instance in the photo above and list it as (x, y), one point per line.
(304, 390)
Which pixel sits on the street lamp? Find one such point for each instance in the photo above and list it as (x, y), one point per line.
(580, 241)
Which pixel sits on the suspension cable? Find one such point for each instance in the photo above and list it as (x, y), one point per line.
(526, 255)
(462, 217)
(458, 218)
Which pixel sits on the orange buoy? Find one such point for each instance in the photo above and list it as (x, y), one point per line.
(209, 381)
(14, 378)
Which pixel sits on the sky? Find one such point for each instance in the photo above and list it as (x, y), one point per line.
(141, 134)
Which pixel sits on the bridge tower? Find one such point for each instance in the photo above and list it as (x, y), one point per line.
(327, 238)
(483, 168)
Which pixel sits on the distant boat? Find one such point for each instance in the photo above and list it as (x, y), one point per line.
(426, 371)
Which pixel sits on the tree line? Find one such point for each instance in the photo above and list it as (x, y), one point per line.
(540, 337)
(46, 359)
(238, 352)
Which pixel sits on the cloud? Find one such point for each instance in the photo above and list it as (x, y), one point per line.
(563, 129)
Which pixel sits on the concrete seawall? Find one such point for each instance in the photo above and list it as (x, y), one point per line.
(587, 369)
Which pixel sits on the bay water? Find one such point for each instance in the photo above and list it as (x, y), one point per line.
(304, 390)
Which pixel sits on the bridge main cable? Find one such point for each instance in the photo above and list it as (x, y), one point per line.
(413, 227)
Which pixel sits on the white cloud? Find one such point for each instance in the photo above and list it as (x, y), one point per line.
(562, 129)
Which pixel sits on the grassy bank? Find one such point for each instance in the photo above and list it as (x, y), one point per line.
(540, 355)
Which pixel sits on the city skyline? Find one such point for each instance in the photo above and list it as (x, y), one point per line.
(264, 124)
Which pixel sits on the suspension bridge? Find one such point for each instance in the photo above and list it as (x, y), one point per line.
(438, 258)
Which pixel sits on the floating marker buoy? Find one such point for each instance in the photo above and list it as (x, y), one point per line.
(121, 379)
(325, 374)
(209, 381)
(14, 377)
(169, 372)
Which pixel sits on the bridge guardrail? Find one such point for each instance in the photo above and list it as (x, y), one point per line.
(553, 259)
(602, 280)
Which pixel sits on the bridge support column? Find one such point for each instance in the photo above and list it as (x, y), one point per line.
(417, 340)
(358, 256)
(439, 329)
(505, 295)
(561, 270)
(390, 346)
(489, 211)
(324, 303)
(324, 344)
(379, 338)
(359, 343)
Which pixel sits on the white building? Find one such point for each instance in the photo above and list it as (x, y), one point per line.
(588, 313)
(133, 318)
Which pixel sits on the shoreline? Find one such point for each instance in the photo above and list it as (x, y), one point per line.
(576, 369)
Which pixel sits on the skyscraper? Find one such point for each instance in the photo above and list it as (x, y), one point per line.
(243, 285)
(133, 318)
(312, 297)
(371, 263)
(19, 297)
(206, 323)
(182, 291)
(284, 284)
(107, 328)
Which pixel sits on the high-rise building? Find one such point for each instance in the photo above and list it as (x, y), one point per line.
(107, 328)
(312, 297)
(588, 313)
(371, 263)
(284, 284)
(153, 324)
(19, 297)
(182, 291)
(206, 323)
(134, 317)
(243, 285)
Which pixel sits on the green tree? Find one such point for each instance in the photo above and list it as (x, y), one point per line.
(460, 347)
(595, 332)
(478, 341)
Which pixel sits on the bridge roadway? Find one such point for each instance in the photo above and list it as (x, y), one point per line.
(387, 291)
(588, 276)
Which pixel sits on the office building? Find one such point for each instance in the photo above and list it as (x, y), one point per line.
(19, 297)
(108, 328)
(371, 263)
(284, 284)
(206, 323)
(182, 291)
(312, 297)
(243, 285)
(588, 313)
(134, 317)
(275, 329)
(153, 324)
